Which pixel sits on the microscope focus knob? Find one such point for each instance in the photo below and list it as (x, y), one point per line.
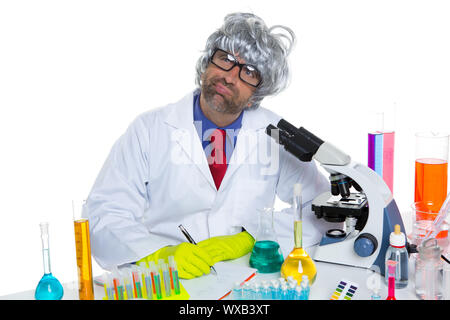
(365, 245)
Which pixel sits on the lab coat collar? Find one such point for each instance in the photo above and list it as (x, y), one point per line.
(180, 116)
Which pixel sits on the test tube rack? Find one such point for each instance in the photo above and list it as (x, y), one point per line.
(147, 282)
(276, 289)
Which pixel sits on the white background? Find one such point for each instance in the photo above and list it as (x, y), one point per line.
(74, 74)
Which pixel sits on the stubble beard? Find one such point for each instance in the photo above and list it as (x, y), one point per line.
(219, 102)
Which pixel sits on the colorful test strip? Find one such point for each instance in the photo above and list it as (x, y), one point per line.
(345, 290)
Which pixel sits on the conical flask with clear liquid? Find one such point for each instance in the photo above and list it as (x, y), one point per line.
(266, 254)
(298, 262)
(48, 288)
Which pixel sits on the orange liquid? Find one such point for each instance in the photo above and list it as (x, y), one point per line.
(84, 262)
(431, 184)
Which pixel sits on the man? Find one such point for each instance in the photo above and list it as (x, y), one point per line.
(202, 162)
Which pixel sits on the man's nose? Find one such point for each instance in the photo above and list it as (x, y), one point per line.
(232, 76)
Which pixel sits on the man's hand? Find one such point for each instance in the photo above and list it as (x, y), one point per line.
(192, 261)
(228, 247)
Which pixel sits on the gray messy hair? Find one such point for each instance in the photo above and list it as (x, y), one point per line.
(247, 35)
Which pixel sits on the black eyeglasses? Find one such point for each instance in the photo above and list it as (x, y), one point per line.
(226, 61)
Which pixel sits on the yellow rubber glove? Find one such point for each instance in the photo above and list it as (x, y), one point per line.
(228, 247)
(192, 261)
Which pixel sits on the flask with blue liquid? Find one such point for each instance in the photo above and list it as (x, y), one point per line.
(48, 288)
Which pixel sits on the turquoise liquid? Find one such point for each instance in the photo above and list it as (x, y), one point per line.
(266, 257)
(49, 288)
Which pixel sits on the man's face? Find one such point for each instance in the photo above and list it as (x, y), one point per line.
(224, 91)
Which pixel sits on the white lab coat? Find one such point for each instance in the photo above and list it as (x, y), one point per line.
(157, 177)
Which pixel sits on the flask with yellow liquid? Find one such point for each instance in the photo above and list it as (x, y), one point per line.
(298, 262)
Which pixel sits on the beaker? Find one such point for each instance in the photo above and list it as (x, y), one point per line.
(48, 288)
(446, 276)
(266, 254)
(428, 275)
(83, 252)
(431, 170)
(423, 215)
(298, 263)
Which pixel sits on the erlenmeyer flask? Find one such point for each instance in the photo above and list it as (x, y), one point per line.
(266, 255)
(298, 262)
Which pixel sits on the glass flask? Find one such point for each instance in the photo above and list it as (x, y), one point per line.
(429, 278)
(298, 262)
(266, 254)
(48, 288)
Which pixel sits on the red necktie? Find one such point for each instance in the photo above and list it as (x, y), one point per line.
(218, 160)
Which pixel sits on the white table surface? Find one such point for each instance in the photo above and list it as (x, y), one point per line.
(328, 277)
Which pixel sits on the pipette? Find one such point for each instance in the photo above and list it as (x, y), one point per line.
(440, 217)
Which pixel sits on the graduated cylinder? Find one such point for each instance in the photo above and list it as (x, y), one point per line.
(83, 252)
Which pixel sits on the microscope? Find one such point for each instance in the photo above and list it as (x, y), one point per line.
(358, 197)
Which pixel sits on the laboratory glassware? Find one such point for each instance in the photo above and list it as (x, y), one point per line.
(381, 153)
(397, 252)
(266, 254)
(391, 267)
(429, 271)
(426, 223)
(446, 276)
(83, 253)
(431, 170)
(298, 262)
(237, 291)
(48, 288)
(439, 222)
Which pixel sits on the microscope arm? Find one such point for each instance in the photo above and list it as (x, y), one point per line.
(305, 146)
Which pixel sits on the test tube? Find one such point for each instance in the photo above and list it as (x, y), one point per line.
(147, 283)
(83, 252)
(237, 291)
(291, 289)
(136, 281)
(127, 283)
(298, 293)
(109, 289)
(391, 279)
(275, 288)
(284, 292)
(174, 274)
(247, 291)
(118, 285)
(256, 291)
(166, 277)
(265, 291)
(305, 286)
(156, 279)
